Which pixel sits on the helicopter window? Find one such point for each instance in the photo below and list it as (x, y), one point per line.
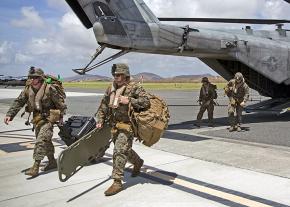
(102, 10)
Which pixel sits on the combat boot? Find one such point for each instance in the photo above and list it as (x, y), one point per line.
(34, 170)
(51, 163)
(115, 188)
(137, 168)
(231, 129)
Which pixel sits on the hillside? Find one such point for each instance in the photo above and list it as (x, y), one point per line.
(148, 77)
(87, 77)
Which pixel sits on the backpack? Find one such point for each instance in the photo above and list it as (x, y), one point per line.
(57, 83)
(150, 124)
(214, 92)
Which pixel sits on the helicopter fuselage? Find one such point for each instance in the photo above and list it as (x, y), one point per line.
(129, 25)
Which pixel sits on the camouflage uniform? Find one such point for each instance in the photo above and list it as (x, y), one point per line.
(206, 99)
(51, 100)
(118, 118)
(237, 93)
(122, 131)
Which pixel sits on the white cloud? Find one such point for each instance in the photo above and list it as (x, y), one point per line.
(44, 46)
(74, 35)
(276, 9)
(30, 19)
(69, 20)
(68, 40)
(58, 4)
(23, 58)
(5, 52)
(66, 43)
(219, 8)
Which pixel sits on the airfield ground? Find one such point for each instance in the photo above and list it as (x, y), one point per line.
(187, 167)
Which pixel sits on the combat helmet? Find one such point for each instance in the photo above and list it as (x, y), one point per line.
(239, 77)
(204, 79)
(35, 72)
(120, 68)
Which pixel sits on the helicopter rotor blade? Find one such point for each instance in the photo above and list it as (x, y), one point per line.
(225, 20)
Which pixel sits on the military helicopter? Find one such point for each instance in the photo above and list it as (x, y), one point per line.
(130, 26)
(7, 81)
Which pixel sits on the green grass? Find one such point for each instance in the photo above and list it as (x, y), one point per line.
(87, 84)
(148, 86)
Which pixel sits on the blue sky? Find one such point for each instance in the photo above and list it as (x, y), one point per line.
(47, 34)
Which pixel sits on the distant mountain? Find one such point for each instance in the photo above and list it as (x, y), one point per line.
(189, 78)
(87, 77)
(147, 77)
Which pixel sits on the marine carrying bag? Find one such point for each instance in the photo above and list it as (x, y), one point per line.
(150, 124)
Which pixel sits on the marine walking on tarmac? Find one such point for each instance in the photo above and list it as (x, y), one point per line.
(114, 108)
(206, 101)
(44, 97)
(238, 92)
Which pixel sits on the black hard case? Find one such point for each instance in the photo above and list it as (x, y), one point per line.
(75, 128)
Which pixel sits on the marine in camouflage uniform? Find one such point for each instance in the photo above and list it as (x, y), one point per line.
(206, 100)
(114, 108)
(238, 92)
(47, 106)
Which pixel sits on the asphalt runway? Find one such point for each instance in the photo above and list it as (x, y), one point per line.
(189, 166)
(183, 106)
(257, 128)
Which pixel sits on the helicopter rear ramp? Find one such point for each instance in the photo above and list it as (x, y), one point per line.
(273, 106)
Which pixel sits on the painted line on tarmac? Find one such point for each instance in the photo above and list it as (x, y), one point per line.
(9, 136)
(208, 191)
(15, 147)
(21, 135)
(202, 189)
(2, 153)
(15, 130)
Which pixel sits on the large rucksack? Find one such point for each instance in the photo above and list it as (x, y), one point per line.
(215, 92)
(150, 124)
(57, 83)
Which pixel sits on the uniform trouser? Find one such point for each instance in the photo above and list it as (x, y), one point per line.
(235, 121)
(43, 145)
(123, 152)
(210, 108)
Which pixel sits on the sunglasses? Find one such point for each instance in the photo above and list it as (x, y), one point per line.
(117, 75)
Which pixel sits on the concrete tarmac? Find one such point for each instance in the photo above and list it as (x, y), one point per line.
(187, 167)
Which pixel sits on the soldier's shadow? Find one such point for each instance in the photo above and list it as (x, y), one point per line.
(88, 190)
(149, 175)
(247, 118)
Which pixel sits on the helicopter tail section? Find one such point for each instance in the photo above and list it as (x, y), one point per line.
(117, 23)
